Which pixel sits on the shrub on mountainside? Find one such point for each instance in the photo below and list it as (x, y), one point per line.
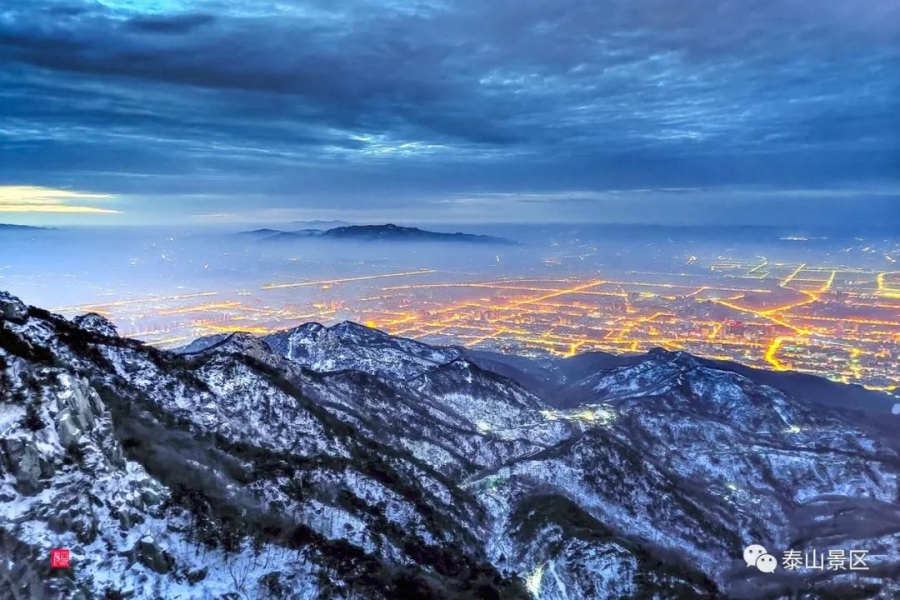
(32, 419)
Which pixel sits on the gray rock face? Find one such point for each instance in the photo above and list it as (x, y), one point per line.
(22, 459)
(85, 404)
(147, 552)
(69, 432)
(80, 405)
(11, 307)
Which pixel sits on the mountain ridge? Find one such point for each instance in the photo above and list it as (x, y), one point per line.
(386, 232)
(13, 227)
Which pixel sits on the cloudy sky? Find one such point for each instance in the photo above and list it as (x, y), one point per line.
(133, 111)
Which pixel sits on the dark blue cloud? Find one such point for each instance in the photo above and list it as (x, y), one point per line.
(399, 105)
(179, 24)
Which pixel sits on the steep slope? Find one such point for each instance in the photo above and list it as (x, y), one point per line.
(242, 466)
(575, 380)
(702, 462)
(446, 411)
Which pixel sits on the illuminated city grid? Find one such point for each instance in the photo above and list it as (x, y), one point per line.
(841, 323)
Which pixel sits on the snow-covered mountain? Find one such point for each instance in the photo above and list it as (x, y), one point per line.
(342, 462)
(348, 346)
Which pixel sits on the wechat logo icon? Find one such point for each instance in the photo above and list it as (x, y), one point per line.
(757, 556)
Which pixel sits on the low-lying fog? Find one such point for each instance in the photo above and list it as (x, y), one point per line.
(62, 268)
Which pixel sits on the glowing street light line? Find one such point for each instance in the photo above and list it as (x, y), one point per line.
(794, 274)
(771, 352)
(281, 286)
(202, 308)
(809, 300)
(95, 306)
(764, 316)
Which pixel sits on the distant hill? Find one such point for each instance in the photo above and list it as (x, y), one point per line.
(260, 232)
(388, 232)
(568, 382)
(393, 232)
(277, 234)
(11, 227)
